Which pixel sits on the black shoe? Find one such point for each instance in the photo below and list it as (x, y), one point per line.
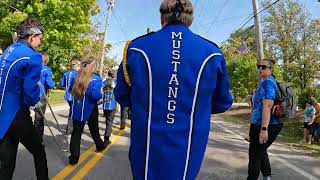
(107, 141)
(101, 148)
(73, 160)
(122, 126)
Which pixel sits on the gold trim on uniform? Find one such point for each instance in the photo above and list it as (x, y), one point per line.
(124, 64)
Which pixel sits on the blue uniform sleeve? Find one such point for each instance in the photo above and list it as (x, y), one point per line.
(122, 89)
(31, 77)
(268, 87)
(49, 83)
(63, 81)
(221, 99)
(95, 90)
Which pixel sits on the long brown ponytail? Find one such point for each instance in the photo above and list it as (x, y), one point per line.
(83, 79)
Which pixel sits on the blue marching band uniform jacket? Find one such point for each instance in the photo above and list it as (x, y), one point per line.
(82, 109)
(65, 82)
(173, 80)
(46, 80)
(20, 73)
(109, 99)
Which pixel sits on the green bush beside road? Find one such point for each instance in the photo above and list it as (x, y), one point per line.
(56, 97)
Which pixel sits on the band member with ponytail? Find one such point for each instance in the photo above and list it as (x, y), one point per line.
(172, 80)
(65, 82)
(19, 75)
(86, 92)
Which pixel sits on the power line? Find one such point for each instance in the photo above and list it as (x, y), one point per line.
(247, 21)
(219, 14)
(119, 20)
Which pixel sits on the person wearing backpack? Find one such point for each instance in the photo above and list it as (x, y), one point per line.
(264, 128)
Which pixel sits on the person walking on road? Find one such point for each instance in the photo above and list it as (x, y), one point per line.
(19, 77)
(264, 129)
(86, 92)
(47, 83)
(65, 82)
(109, 105)
(124, 114)
(172, 80)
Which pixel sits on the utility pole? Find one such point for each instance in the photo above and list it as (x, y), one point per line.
(110, 6)
(259, 43)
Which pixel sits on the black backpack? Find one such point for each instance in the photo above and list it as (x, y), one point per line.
(285, 105)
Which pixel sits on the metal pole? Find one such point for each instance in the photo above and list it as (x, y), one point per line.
(111, 5)
(259, 42)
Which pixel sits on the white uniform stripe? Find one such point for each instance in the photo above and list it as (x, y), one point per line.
(150, 110)
(5, 82)
(192, 112)
(84, 100)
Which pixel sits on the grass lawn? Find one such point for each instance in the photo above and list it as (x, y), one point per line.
(56, 97)
(292, 132)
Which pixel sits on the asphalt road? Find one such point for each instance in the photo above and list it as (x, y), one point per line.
(226, 155)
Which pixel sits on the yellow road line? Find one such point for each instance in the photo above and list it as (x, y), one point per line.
(88, 166)
(70, 168)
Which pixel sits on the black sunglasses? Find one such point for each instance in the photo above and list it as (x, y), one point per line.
(263, 66)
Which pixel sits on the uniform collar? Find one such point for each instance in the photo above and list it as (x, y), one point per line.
(175, 22)
(26, 43)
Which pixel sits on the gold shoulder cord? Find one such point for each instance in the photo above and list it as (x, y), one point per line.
(124, 63)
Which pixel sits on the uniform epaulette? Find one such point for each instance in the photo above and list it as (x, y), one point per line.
(124, 63)
(142, 36)
(210, 41)
(125, 56)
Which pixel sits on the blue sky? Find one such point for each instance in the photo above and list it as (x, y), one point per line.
(213, 19)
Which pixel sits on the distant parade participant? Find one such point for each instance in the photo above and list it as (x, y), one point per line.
(20, 73)
(86, 92)
(109, 105)
(65, 82)
(172, 80)
(124, 114)
(47, 84)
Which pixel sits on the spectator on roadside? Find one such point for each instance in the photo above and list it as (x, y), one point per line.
(264, 129)
(309, 115)
(315, 127)
(172, 80)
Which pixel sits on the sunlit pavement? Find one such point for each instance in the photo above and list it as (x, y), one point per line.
(226, 155)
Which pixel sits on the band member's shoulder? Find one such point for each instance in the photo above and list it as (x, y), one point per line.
(143, 36)
(207, 40)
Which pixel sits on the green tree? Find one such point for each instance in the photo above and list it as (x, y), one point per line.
(292, 38)
(67, 24)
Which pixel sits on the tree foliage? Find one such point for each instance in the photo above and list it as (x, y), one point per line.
(68, 28)
(293, 39)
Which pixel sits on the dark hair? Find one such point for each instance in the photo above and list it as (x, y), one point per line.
(28, 27)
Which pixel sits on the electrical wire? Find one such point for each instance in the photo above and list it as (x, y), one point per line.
(249, 19)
